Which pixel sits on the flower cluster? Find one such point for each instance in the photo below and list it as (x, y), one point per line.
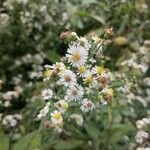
(80, 82)
(142, 136)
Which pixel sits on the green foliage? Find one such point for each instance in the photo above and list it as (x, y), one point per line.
(28, 142)
(4, 142)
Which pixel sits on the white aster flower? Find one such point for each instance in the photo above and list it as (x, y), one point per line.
(141, 136)
(43, 111)
(47, 94)
(140, 124)
(84, 42)
(77, 55)
(146, 120)
(90, 80)
(56, 117)
(59, 65)
(9, 121)
(98, 70)
(67, 78)
(78, 118)
(82, 71)
(74, 93)
(87, 105)
(61, 105)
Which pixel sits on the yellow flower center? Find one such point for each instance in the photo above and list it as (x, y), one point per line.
(82, 69)
(89, 79)
(57, 116)
(76, 56)
(65, 105)
(100, 70)
(48, 73)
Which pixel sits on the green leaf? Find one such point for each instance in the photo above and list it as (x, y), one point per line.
(29, 142)
(64, 145)
(97, 18)
(53, 56)
(119, 131)
(4, 141)
(92, 130)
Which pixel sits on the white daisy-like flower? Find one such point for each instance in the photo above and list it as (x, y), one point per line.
(59, 65)
(140, 124)
(78, 118)
(43, 111)
(47, 94)
(87, 105)
(74, 93)
(98, 70)
(61, 105)
(141, 136)
(56, 117)
(9, 121)
(77, 55)
(90, 80)
(84, 42)
(82, 71)
(67, 78)
(108, 91)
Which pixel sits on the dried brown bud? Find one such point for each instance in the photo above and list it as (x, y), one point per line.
(64, 35)
(47, 124)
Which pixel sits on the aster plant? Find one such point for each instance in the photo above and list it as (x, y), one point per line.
(78, 89)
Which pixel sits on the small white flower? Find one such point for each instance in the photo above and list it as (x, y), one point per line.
(44, 111)
(98, 70)
(146, 120)
(47, 94)
(90, 80)
(7, 104)
(9, 120)
(141, 136)
(140, 124)
(61, 105)
(84, 42)
(77, 55)
(78, 118)
(82, 71)
(56, 117)
(67, 78)
(74, 93)
(87, 105)
(58, 65)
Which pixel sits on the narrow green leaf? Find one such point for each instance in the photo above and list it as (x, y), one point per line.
(92, 130)
(119, 131)
(29, 142)
(97, 18)
(53, 56)
(64, 145)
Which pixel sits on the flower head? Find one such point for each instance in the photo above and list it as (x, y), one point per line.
(74, 93)
(77, 55)
(87, 105)
(67, 78)
(47, 94)
(78, 118)
(61, 105)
